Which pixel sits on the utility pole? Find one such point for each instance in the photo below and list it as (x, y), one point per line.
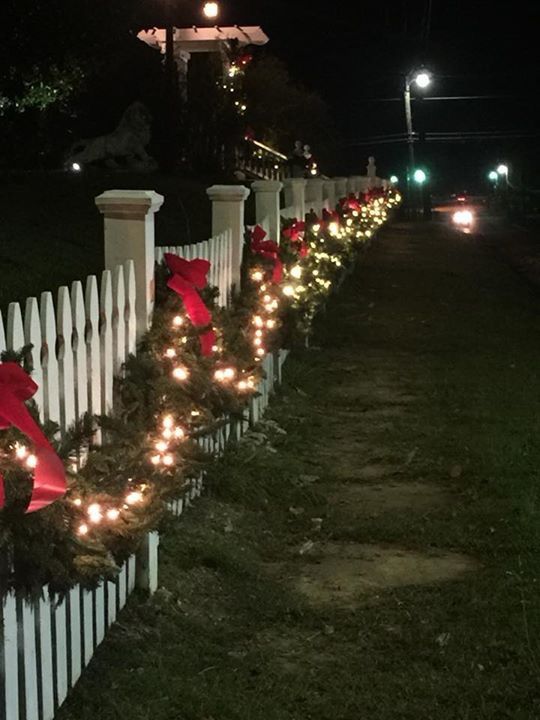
(410, 136)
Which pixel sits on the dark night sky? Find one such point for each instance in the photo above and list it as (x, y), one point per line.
(356, 52)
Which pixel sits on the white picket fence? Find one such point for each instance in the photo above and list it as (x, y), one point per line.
(79, 344)
(46, 644)
(219, 251)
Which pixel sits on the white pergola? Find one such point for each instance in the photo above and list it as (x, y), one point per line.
(204, 39)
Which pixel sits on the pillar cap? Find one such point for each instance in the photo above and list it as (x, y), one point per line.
(301, 182)
(228, 193)
(273, 186)
(129, 204)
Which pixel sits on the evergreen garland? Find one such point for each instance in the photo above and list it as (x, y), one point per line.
(120, 489)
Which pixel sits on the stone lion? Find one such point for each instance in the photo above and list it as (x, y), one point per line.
(124, 147)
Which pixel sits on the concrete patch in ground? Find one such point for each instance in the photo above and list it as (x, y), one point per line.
(348, 573)
(360, 501)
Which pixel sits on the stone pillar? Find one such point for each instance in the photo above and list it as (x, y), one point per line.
(330, 193)
(228, 203)
(295, 196)
(316, 195)
(129, 235)
(267, 213)
(341, 187)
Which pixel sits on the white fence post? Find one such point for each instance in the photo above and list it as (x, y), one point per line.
(148, 563)
(228, 203)
(129, 235)
(341, 187)
(330, 193)
(268, 206)
(316, 195)
(295, 196)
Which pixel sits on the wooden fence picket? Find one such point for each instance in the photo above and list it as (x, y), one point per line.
(32, 336)
(66, 367)
(46, 656)
(2, 335)
(10, 657)
(15, 328)
(106, 341)
(118, 319)
(130, 315)
(93, 346)
(51, 389)
(80, 357)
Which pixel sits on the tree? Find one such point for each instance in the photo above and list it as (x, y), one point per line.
(281, 111)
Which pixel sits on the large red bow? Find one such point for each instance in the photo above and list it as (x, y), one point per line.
(295, 233)
(189, 276)
(267, 249)
(49, 475)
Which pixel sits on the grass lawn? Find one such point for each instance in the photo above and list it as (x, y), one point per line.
(52, 233)
(384, 562)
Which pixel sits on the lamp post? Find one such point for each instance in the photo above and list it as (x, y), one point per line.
(422, 79)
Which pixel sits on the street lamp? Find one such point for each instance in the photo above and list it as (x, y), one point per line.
(419, 176)
(493, 176)
(422, 79)
(394, 179)
(502, 171)
(211, 10)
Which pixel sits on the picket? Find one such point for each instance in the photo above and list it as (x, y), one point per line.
(93, 346)
(2, 335)
(32, 336)
(65, 360)
(117, 321)
(80, 360)
(46, 671)
(10, 657)
(51, 385)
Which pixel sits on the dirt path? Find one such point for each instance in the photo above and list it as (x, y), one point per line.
(378, 555)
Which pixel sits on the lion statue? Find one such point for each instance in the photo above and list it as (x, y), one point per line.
(124, 147)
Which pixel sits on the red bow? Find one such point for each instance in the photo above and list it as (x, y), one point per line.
(189, 276)
(49, 475)
(295, 233)
(267, 249)
(352, 203)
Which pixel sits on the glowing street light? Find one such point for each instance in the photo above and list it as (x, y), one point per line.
(211, 10)
(493, 176)
(503, 170)
(423, 80)
(394, 179)
(419, 176)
